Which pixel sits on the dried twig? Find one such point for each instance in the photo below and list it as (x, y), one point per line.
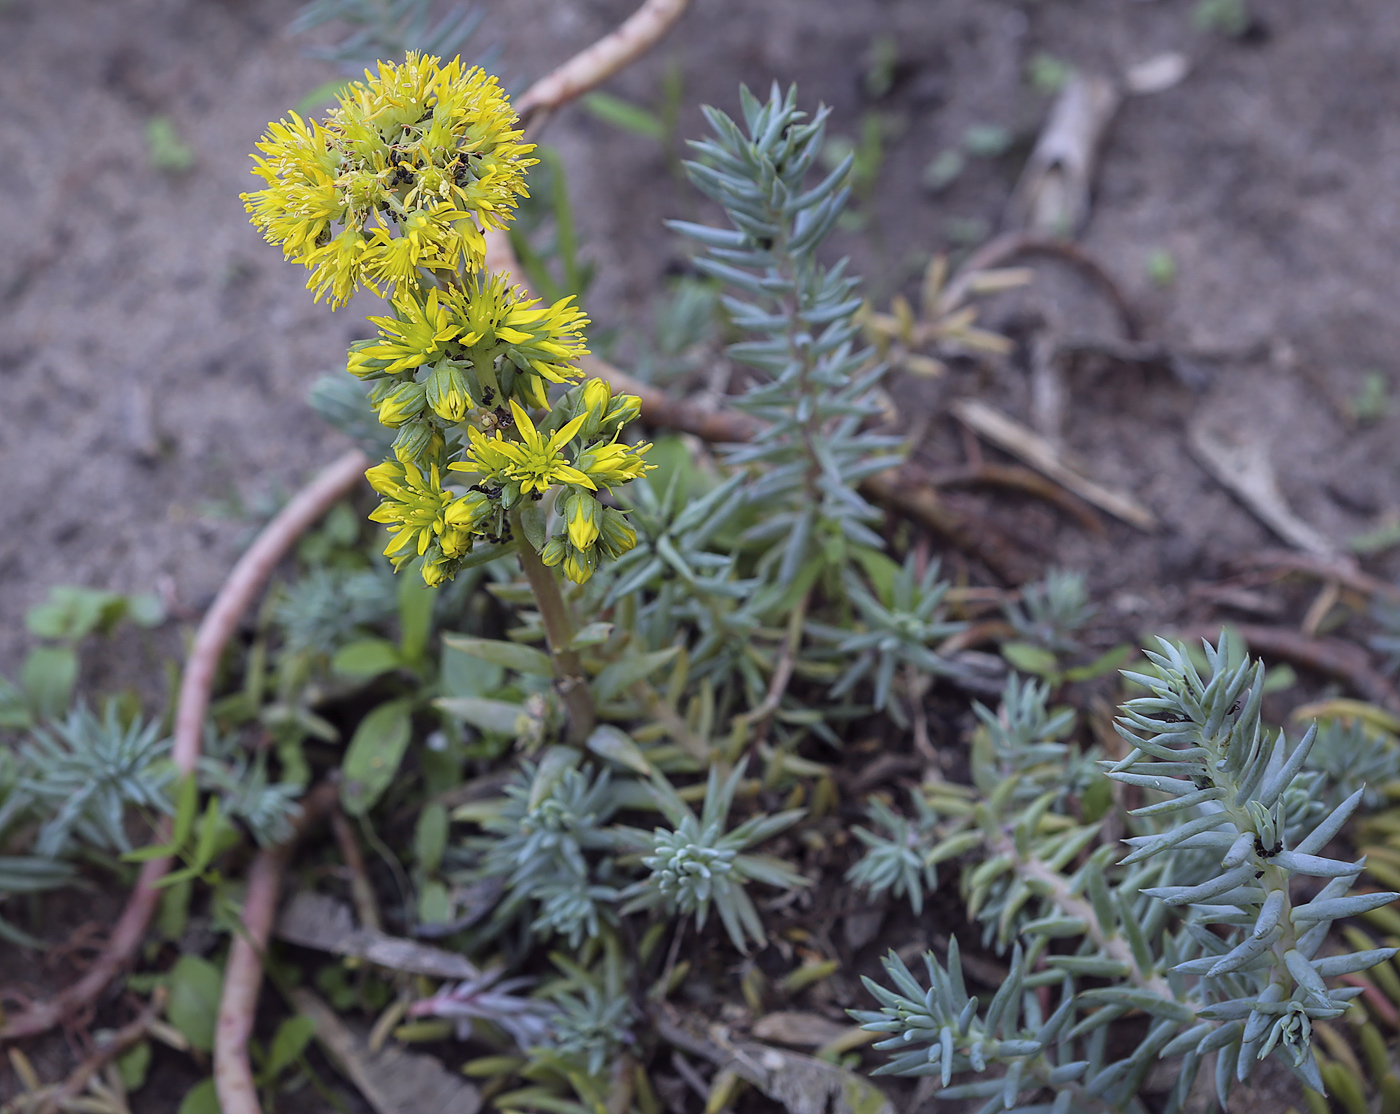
(361, 892)
(1332, 656)
(390, 1079)
(638, 34)
(1019, 479)
(1052, 196)
(1002, 249)
(1240, 462)
(1015, 438)
(233, 601)
(233, 1075)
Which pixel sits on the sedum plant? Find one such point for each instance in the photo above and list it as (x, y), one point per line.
(1200, 927)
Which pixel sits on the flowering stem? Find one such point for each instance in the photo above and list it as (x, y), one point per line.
(569, 677)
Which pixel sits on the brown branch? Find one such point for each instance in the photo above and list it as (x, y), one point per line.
(1015, 477)
(1001, 250)
(1326, 655)
(905, 489)
(361, 892)
(234, 598)
(233, 1075)
(638, 34)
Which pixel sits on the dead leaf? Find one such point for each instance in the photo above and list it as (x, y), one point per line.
(392, 1080)
(798, 1028)
(312, 920)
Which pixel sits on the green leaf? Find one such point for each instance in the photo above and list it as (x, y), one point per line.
(464, 675)
(173, 916)
(366, 658)
(321, 96)
(1109, 662)
(71, 613)
(145, 609)
(626, 671)
(133, 1064)
(27, 874)
(880, 570)
(625, 115)
(593, 634)
(415, 617)
(201, 1099)
(430, 838)
(510, 655)
(495, 716)
(1029, 658)
(14, 709)
(289, 1042)
(373, 757)
(434, 903)
(186, 809)
(616, 745)
(533, 519)
(165, 149)
(48, 677)
(195, 987)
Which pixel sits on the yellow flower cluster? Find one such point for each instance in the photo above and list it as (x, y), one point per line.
(405, 176)
(394, 191)
(483, 341)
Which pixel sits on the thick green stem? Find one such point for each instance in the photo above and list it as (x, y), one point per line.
(569, 677)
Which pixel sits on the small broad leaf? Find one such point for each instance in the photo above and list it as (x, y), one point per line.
(434, 903)
(430, 838)
(373, 757)
(289, 1042)
(510, 655)
(533, 520)
(591, 635)
(195, 987)
(626, 671)
(880, 570)
(415, 617)
(365, 658)
(495, 716)
(201, 1099)
(1108, 662)
(133, 1064)
(465, 675)
(1029, 658)
(14, 709)
(609, 742)
(48, 677)
(625, 115)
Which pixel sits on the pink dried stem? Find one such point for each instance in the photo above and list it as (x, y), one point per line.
(233, 1074)
(589, 68)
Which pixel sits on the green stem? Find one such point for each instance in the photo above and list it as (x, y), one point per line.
(569, 677)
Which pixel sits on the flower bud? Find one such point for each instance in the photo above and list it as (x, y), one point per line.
(447, 391)
(593, 401)
(618, 537)
(416, 441)
(554, 551)
(402, 404)
(622, 410)
(582, 512)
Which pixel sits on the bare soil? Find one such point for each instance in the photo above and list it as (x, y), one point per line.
(155, 354)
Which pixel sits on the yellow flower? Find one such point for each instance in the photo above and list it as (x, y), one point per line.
(609, 464)
(534, 462)
(431, 145)
(410, 506)
(417, 334)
